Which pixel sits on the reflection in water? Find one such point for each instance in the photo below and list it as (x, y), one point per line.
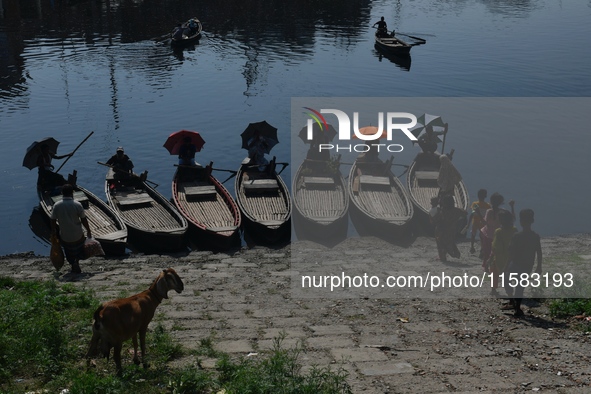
(273, 30)
(510, 8)
(39, 224)
(402, 62)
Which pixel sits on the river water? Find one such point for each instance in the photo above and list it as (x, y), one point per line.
(71, 67)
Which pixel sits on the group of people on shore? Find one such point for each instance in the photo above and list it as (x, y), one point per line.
(503, 249)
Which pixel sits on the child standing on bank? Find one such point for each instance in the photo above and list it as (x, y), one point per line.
(478, 210)
(524, 250)
(499, 257)
(491, 223)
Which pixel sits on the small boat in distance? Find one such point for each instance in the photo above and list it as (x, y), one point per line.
(189, 33)
(153, 223)
(207, 205)
(392, 44)
(264, 201)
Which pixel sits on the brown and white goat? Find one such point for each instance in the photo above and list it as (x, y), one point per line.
(118, 320)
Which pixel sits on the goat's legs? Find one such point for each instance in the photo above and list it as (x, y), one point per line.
(92, 350)
(143, 347)
(117, 357)
(136, 359)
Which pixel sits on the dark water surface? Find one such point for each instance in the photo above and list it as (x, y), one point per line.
(71, 67)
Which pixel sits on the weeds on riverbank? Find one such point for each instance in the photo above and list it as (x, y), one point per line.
(45, 329)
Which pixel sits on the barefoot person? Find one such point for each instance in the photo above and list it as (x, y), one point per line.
(525, 249)
(478, 209)
(70, 216)
(446, 222)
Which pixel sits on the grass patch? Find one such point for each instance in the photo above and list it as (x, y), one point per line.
(568, 307)
(278, 371)
(45, 329)
(39, 327)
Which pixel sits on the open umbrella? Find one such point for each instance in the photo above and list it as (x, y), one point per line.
(319, 134)
(263, 129)
(371, 130)
(425, 121)
(175, 140)
(34, 151)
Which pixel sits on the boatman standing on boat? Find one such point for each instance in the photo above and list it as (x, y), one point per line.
(382, 28)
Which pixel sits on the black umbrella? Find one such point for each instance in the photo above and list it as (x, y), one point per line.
(263, 129)
(34, 151)
(320, 134)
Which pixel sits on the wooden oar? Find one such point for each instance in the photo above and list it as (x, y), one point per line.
(74, 151)
(231, 171)
(162, 38)
(422, 40)
(230, 177)
(133, 175)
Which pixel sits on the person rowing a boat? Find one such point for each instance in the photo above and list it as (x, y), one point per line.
(382, 28)
(122, 165)
(177, 33)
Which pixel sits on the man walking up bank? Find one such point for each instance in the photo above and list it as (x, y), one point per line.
(70, 216)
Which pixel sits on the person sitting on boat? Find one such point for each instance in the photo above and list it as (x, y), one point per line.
(428, 143)
(382, 28)
(121, 164)
(177, 33)
(192, 27)
(315, 153)
(256, 151)
(187, 153)
(46, 175)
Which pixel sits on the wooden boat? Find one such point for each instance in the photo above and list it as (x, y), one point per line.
(320, 202)
(187, 39)
(392, 45)
(264, 202)
(380, 205)
(422, 184)
(106, 226)
(208, 207)
(153, 223)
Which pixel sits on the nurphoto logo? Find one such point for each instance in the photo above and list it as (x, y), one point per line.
(394, 122)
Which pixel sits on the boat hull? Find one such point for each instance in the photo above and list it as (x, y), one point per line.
(380, 205)
(105, 224)
(153, 223)
(320, 202)
(188, 40)
(264, 202)
(213, 216)
(393, 45)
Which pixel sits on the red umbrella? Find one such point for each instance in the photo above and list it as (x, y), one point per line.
(175, 140)
(371, 130)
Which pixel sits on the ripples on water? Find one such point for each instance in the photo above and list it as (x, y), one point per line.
(91, 66)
